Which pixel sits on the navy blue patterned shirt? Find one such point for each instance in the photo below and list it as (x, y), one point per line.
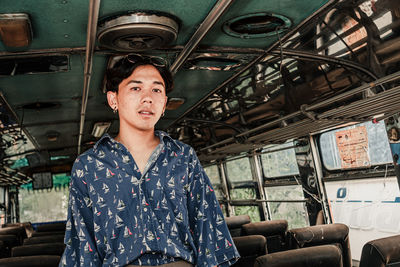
(118, 215)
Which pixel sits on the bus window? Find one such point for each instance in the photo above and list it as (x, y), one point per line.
(213, 173)
(279, 162)
(45, 205)
(240, 179)
(361, 145)
(294, 212)
(242, 187)
(238, 170)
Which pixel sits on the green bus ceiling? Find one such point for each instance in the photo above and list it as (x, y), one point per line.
(59, 28)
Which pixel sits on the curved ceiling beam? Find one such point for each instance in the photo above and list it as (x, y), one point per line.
(201, 31)
(94, 7)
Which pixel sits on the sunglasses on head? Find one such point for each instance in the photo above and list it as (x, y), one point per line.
(153, 60)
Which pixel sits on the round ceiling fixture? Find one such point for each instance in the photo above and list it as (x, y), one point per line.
(215, 61)
(138, 31)
(256, 25)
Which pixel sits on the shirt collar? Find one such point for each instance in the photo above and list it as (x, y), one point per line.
(164, 137)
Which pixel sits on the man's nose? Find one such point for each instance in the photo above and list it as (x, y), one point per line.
(147, 98)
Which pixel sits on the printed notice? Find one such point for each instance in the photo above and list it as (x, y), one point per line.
(353, 147)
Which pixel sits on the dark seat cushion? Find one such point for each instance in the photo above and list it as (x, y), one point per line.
(381, 252)
(235, 223)
(36, 234)
(10, 241)
(250, 245)
(44, 239)
(38, 249)
(266, 228)
(58, 227)
(318, 256)
(274, 231)
(321, 235)
(31, 261)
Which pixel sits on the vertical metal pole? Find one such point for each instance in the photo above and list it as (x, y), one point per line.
(258, 178)
(231, 210)
(320, 186)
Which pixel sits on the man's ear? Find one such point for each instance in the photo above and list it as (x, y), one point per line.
(112, 100)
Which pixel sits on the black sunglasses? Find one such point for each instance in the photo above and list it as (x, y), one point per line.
(153, 60)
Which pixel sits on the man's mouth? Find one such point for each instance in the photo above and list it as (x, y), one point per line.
(146, 112)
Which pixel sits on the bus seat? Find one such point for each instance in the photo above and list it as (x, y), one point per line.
(9, 241)
(3, 250)
(27, 225)
(31, 261)
(318, 256)
(381, 252)
(38, 249)
(36, 234)
(235, 223)
(321, 235)
(249, 247)
(274, 231)
(44, 239)
(51, 227)
(18, 231)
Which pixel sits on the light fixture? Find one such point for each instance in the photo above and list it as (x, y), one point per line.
(52, 136)
(15, 29)
(174, 103)
(100, 128)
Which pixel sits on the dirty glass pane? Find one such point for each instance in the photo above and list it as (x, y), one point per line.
(252, 211)
(213, 174)
(44, 205)
(238, 170)
(294, 212)
(243, 193)
(363, 145)
(279, 163)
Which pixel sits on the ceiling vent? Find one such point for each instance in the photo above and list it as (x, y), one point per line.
(137, 31)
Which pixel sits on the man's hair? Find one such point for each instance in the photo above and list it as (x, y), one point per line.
(123, 68)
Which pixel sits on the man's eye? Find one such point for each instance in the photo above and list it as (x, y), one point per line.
(135, 88)
(157, 90)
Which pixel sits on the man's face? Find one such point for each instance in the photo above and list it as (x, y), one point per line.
(140, 99)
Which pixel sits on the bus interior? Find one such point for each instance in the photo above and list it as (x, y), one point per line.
(291, 106)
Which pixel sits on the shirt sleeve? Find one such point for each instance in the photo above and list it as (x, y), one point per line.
(211, 235)
(79, 235)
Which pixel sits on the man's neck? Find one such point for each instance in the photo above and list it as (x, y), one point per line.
(136, 140)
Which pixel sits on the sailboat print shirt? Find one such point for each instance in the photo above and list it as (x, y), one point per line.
(118, 215)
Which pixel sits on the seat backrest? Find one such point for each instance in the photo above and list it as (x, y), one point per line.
(31, 261)
(44, 239)
(336, 233)
(35, 234)
(381, 252)
(18, 231)
(58, 227)
(9, 241)
(235, 223)
(249, 247)
(38, 249)
(318, 256)
(274, 231)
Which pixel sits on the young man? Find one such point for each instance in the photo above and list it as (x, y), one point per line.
(142, 198)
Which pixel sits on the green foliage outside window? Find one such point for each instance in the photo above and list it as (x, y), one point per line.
(239, 170)
(252, 211)
(44, 205)
(294, 212)
(280, 163)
